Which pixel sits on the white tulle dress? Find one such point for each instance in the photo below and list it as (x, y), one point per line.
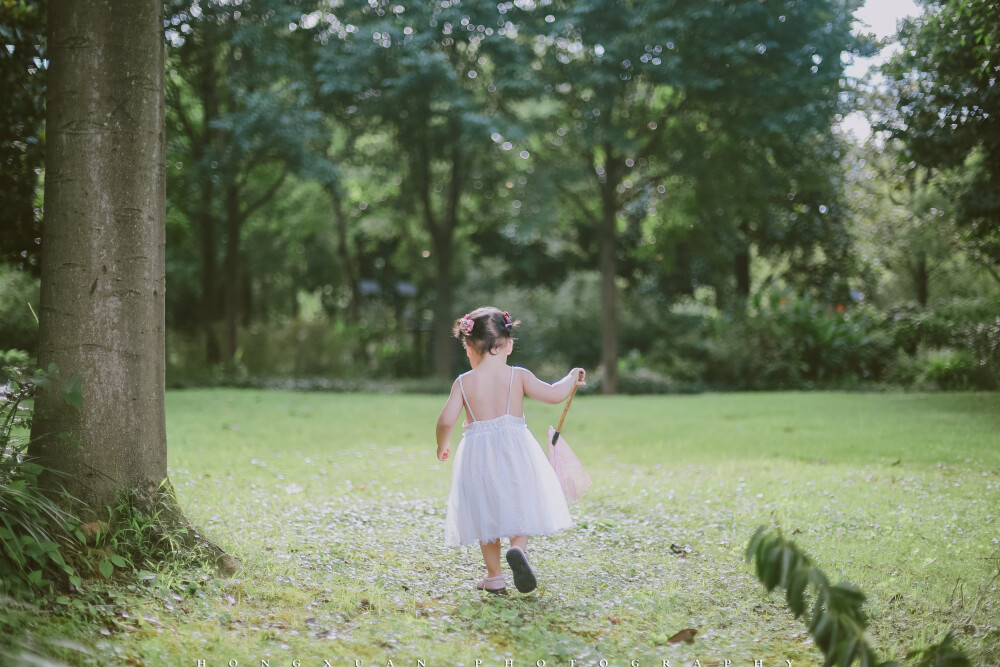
(502, 485)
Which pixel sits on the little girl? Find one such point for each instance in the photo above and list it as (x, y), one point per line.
(502, 485)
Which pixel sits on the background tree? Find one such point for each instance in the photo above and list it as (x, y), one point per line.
(947, 111)
(240, 124)
(22, 146)
(739, 96)
(437, 76)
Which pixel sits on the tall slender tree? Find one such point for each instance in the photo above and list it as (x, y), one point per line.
(947, 111)
(240, 124)
(440, 78)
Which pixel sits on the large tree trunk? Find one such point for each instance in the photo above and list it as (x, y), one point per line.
(102, 303)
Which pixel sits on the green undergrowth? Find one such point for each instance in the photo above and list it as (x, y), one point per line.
(334, 503)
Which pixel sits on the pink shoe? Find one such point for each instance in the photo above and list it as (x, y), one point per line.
(495, 585)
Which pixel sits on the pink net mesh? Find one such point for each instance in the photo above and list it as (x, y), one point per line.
(573, 478)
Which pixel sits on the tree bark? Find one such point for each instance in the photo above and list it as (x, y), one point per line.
(102, 302)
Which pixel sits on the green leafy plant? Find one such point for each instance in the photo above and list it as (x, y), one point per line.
(945, 654)
(948, 368)
(144, 529)
(33, 528)
(836, 620)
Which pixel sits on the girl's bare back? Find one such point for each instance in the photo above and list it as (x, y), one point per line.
(487, 388)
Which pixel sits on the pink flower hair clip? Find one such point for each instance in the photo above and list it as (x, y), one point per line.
(465, 324)
(507, 321)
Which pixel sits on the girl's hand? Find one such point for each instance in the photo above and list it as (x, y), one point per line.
(443, 452)
(580, 376)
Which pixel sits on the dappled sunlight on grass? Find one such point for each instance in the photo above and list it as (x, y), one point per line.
(335, 504)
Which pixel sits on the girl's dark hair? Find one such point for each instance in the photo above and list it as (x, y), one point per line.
(491, 328)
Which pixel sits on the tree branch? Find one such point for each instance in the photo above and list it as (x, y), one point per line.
(989, 269)
(174, 95)
(576, 200)
(271, 191)
(424, 176)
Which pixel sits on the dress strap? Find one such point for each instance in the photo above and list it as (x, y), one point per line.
(510, 389)
(466, 398)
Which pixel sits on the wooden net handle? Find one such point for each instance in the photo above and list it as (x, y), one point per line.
(566, 409)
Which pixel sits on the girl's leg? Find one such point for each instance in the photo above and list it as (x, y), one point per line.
(491, 555)
(521, 542)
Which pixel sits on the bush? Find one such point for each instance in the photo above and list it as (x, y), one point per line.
(951, 345)
(786, 342)
(949, 369)
(18, 327)
(34, 528)
(939, 325)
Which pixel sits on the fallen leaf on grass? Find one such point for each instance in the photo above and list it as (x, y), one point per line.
(685, 635)
(614, 620)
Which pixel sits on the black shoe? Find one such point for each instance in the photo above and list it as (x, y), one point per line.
(524, 578)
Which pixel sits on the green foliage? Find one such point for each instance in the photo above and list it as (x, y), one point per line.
(948, 369)
(945, 654)
(941, 324)
(144, 531)
(796, 342)
(836, 620)
(23, 63)
(19, 293)
(34, 530)
(943, 81)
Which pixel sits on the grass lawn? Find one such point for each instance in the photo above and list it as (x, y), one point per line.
(335, 504)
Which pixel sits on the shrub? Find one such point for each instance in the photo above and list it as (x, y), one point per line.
(34, 529)
(949, 369)
(784, 342)
(18, 326)
(939, 325)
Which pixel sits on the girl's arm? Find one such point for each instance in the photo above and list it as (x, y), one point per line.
(446, 422)
(556, 392)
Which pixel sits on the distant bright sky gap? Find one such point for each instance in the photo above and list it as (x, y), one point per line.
(879, 17)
